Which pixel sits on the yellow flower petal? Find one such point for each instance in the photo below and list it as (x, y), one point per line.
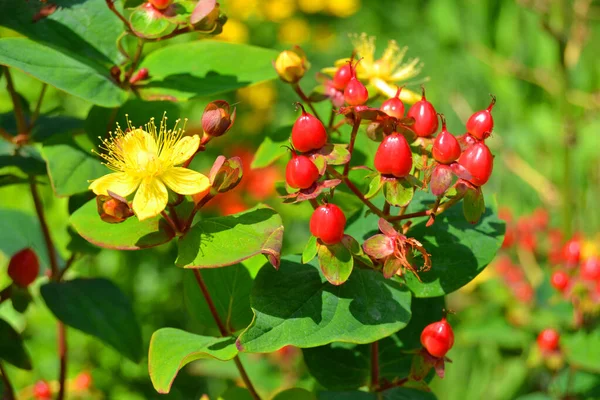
(184, 149)
(185, 181)
(150, 199)
(119, 182)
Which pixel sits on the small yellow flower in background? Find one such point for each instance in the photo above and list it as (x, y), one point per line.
(311, 6)
(278, 10)
(234, 31)
(343, 8)
(294, 31)
(146, 160)
(260, 96)
(386, 73)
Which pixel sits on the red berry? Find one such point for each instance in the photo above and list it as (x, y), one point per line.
(355, 93)
(590, 269)
(42, 391)
(342, 77)
(426, 122)
(393, 156)
(301, 172)
(478, 160)
(481, 123)
(438, 338)
(327, 223)
(548, 340)
(560, 280)
(571, 252)
(141, 75)
(394, 107)
(160, 4)
(83, 381)
(308, 133)
(446, 148)
(24, 267)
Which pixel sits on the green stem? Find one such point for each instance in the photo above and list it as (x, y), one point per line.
(135, 61)
(356, 191)
(16, 100)
(38, 106)
(224, 332)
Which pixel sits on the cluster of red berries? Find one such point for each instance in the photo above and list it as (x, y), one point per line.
(515, 279)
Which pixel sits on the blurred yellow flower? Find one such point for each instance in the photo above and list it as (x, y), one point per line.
(261, 96)
(146, 160)
(294, 31)
(386, 73)
(343, 8)
(311, 6)
(234, 31)
(278, 10)
(242, 9)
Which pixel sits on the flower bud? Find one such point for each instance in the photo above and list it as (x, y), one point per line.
(226, 173)
(141, 75)
(291, 65)
(113, 209)
(217, 120)
(207, 18)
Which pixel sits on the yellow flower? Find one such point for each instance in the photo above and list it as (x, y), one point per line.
(386, 73)
(146, 160)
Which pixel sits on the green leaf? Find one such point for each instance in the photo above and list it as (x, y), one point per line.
(346, 366)
(366, 308)
(459, 250)
(582, 350)
(399, 393)
(12, 349)
(144, 24)
(20, 230)
(374, 186)
(171, 349)
(294, 394)
(74, 75)
(132, 234)
(205, 68)
(99, 308)
(473, 205)
(336, 262)
(229, 289)
(222, 241)
(398, 192)
(49, 126)
(71, 167)
(271, 148)
(28, 164)
(85, 28)
(310, 250)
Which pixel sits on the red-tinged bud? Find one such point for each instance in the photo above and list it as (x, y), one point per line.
(481, 123)
(217, 119)
(438, 338)
(441, 179)
(113, 209)
(24, 267)
(160, 4)
(394, 107)
(446, 148)
(355, 93)
(479, 161)
(291, 65)
(207, 17)
(141, 75)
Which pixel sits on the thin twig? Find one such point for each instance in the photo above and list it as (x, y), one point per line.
(351, 144)
(16, 100)
(9, 392)
(62, 354)
(68, 265)
(111, 6)
(39, 208)
(305, 99)
(197, 208)
(135, 61)
(224, 332)
(169, 221)
(356, 191)
(38, 106)
(408, 216)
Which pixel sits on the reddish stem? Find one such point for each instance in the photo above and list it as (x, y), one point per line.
(39, 208)
(356, 191)
(408, 216)
(62, 354)
(9, 392)
(16, 100)
(351, 145)
(197, 208)
(224, 332)
(305, 99)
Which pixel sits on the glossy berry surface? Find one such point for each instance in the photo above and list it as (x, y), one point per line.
(481, 123)
(160, 4)
(393, 156)
(356, 93)
(548, 340)
(478, 160)
(327, 223)
(308, 133)
(342, 77)
(24, 267)
(438, 338)
(42, 391)
(466, 141)
(590, 269)
(571, 252)
(425, 116)
(560, 280)
(301, 172)
(446, 148)
(394, 107)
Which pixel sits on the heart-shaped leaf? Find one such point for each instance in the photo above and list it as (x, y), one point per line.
(12, 349)
(336, 262)
(171, 349)
(364, 309)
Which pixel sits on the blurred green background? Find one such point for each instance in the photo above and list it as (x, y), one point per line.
(546, 142)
